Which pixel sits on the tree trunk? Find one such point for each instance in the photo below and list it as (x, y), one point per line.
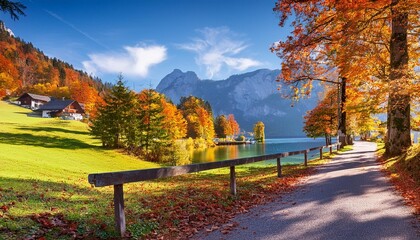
(398, 135)
(342, 131)
(327, 139)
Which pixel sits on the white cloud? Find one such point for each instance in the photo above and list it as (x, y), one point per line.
(133, 61)
(217, 49)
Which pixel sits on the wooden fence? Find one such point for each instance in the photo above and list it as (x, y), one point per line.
(117, 179)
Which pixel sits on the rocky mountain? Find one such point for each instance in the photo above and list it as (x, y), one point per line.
(251, 97)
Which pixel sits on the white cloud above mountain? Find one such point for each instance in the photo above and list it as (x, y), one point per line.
(134, 61)
(217, 48)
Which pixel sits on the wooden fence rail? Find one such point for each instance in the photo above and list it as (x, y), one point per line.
(117, 179)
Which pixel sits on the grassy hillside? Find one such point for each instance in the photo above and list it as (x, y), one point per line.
(48, 149)
(44, 167)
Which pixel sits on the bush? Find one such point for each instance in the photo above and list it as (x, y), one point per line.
(200, 143)
(176, 153)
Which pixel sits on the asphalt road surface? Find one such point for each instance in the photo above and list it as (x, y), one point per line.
(348, 198)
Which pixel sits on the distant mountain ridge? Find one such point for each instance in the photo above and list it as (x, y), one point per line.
(251, 97)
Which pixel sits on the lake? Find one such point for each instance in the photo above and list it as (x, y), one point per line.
(275, 145)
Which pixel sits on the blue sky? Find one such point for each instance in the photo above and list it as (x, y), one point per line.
(146, 40)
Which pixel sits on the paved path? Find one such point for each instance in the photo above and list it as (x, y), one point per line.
(349, 198)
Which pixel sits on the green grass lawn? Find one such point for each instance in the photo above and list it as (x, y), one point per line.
(44, 190)
(44, 165)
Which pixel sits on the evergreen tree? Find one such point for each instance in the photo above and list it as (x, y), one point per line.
(115, 123)
(153, 135)
(13, 8)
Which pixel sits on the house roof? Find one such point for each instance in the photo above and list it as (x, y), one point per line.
(36, 97)
(57, 105)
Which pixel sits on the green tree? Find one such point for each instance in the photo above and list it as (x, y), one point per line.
(153, 135)
(115, 122)
(13, 8)
(259, 134)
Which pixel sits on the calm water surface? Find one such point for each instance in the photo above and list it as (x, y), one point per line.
(275, 145)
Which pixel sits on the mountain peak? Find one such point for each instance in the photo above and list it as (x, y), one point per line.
(178, 83)
(176, 71)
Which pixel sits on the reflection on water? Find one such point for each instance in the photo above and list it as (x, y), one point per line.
(271, 146)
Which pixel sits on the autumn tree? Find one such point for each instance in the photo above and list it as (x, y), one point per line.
(115, 122)
(199, 117)
(322, 120)
(8, 76)
(173, 122)
(233, 126)
(365, 43)
(259, 133)
(220, 126)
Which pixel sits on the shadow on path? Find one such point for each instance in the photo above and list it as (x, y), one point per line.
(348, 198)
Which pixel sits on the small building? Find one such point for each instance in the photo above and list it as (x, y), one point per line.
(32, 101)
(67, 109)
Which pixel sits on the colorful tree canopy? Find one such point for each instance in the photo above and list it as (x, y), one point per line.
(199, 117)
(225, 127)
(372, 45)
(322, 120)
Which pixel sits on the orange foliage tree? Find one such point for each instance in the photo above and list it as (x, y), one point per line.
(366, 43)
(174, 123)
(199, 117)
(233, 126)
(322, 120)
(8, 76)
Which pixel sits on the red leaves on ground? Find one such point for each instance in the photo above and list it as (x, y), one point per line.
(208, 206)
(5, 207)
(406, 186)
(54, 223)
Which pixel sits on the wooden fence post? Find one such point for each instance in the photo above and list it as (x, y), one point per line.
(119, 209)
(278, 167)
(320, 153)
(306, 158)
(232, 180)
(330, 149)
